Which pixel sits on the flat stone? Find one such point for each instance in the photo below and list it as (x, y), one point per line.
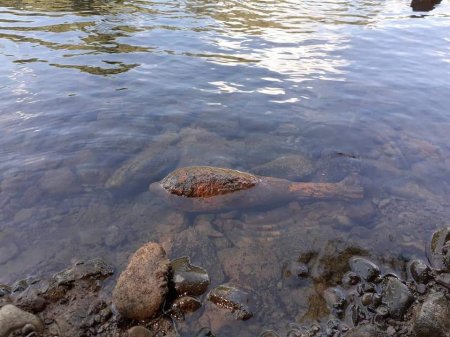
(142, 287)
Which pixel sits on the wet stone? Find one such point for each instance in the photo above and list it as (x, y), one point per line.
(396, 296)
(419, 271)
(184, 305)
(231, 299)
(188, 279)
(366, 269)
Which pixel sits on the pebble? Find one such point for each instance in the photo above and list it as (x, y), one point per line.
(13, 318)
(142, 287)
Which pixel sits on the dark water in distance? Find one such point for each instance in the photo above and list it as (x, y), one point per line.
(356, 87)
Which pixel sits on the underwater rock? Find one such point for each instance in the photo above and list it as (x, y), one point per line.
(188, 279)
(8, 250)
(291, 167)
(364, 268)
(231, 299)
(58, 181)
(433, 317)
(141, 288)
(13, 318)
(148, 166)
(396, 296)
(206, 188)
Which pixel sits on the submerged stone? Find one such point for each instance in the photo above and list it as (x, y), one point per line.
(207, 188)
(291, 167)
(231, 299)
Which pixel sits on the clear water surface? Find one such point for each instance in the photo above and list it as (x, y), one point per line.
(356, 88)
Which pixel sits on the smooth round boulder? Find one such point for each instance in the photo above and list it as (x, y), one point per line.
(142, 287)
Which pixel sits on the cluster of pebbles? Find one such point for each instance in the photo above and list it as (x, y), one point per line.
(153, 292)
(150, 294)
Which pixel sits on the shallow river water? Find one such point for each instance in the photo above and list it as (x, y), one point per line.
(100, 98)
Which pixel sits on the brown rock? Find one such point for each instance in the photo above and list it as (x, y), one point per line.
(142, 286)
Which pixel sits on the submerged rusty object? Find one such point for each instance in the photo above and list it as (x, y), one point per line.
(206, 188)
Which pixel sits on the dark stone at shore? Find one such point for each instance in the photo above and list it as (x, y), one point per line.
(419, 271)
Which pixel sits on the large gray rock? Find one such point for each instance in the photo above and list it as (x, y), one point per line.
(433, 317)
(13, 318)
(142, 286)
(396, 296)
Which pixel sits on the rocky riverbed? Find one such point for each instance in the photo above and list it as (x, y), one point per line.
(152, 296)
